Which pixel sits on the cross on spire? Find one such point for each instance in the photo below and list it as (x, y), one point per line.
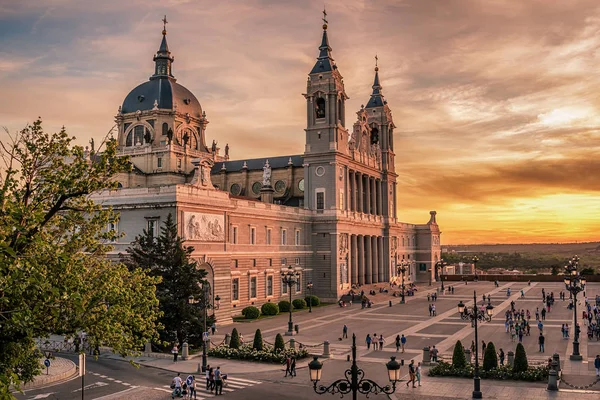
(376, 59)
(324, 15)
(165, 22)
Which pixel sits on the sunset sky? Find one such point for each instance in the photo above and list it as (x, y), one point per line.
(496, 102)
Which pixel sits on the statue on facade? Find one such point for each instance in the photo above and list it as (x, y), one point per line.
(267, 174)
(186, 138)
(92, 145)
(227, 150)
(170, 135)
(147, 137)
(214, 146)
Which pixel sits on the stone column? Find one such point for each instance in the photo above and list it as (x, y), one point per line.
(360, 239)
(368, 260)
(375, 260)
(354, 260)
(368, 194)
(360, 191)
(373, 197)
(380, 197)
(383, 271)
(351, 190)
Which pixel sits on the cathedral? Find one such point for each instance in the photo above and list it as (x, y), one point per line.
(328, 211)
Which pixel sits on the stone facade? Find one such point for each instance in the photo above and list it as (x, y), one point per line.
(330, 212)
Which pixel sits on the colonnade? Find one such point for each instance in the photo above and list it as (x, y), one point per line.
(366, 193)
(368, 262)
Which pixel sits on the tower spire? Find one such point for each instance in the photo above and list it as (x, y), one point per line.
(163, 58)
(376, 99)
(325, 60)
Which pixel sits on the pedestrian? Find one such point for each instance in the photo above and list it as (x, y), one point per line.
(543, 314)
(288, 366)
(402, 342)
(293, 367)
(541, 341)
(175, 351)
(566, 331)
(521, 335)
(213, 328)
(472, 347)
(433, 309)
(597, 364)
(191, 384)
(368, 341)
(397, 343)
(374, 341)
(434, 354)
(482, 348)
(381, 341)
(418, 373)
(430, 308)
(489, 298)
(501, 356)
(211, 375)
(562, 330)
(218, 381)
(208, 370)
(411, 373)
(429, 299)
(345, 332)
(176, 386)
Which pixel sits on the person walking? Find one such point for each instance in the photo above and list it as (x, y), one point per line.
(430, 308)
(411, 373)
(543, 314)
(218, 381)
(345, 332)
(501, 356)
(288, 366)
(482, 348)
(293, 367)
(433, 309)
(521, 335)
(176, 386)
(597, 364)
(541, 341)
(368, 341)
(191, 384)
(213, 328)
(418, 373)
(397, 343)
(175, 351)
(402, 342)
(207, 375)
(381, 341)
(562, 330)
(434, 354)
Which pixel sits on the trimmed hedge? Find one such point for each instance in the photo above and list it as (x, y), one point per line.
(458, 357)
(490, 358)
(269, 309)
(246, 352)
(299, 304)
(234, 343)
(532, 374)
(312, 300)
(284, 306)
(258, 341)
(250, 312)
(279, 343)
(521, 364)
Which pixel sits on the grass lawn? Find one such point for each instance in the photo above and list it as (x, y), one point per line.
(241, 318)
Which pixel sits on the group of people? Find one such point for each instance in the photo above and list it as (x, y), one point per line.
(377, 342)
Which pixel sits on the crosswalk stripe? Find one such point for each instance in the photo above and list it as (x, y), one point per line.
(126, 384)
(241, 380)
(164, 390)
(231, 385)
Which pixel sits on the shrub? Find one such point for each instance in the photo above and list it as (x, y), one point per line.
(269, 309)
(284, 306)
(246, 352)
(490, 358)
(299, 304)
(279, 343)
(258, 341)
(250, 312)
(533, 374)
(312, 300)
(234, 343)
(520, 364)
(458, 357)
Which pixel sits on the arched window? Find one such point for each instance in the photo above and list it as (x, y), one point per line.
(193, 141)
(320, 108)
(129, 140)
(165, 129)
(138, 135)
(374, 135)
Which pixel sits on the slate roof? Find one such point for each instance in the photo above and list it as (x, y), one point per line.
(258, 163)
(376, 99)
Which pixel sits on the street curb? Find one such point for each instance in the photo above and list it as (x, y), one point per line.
(45, 380)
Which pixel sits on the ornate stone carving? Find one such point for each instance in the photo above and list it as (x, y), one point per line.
(343, 248)
(267, 174)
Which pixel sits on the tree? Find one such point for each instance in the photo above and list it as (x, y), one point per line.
(520, 364)
(54, 274)
(458, 357)
(490, 358)
(258, 341)
(180, 293)
(588, 271)
(555, 270)
(279, 343)
(234, 343)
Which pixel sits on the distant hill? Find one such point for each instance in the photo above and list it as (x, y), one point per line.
(569, 249)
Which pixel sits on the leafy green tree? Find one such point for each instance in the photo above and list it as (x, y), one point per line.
(54, 273)
(258, 341)
(234, 343)
(458, 357)
(520, 364)
(588, 271)
(279, 343)
(490, 358)
(180, 291)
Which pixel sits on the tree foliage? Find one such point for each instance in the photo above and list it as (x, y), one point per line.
(490, 358)
(180, 291)
(54, 274)
(258, 341)
(279, 343)
(234, 343)
(458, 357)
(520, 364)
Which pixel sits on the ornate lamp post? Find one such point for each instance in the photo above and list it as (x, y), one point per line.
(440, 265)
(290, 277)
(354, 381)
(309, 286)
(475, 260)
(205, 303)
(402, 268)
(473, 315)
(574, 283)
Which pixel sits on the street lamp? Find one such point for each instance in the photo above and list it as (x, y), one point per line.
(290, 277)
(205, 303)
(472, 314)
(440, 265)
(309, 286)
(402, 268)
(574, 283)
(354, 381)
(475, 261)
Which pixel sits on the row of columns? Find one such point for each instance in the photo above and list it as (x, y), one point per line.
(366, 193)
(367, 260)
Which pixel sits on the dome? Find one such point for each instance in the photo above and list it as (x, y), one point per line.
(166, 92)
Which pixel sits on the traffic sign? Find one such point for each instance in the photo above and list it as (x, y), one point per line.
(189, 380)
(205, 337)
(47, 363)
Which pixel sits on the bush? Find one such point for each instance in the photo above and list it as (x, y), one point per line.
(312, 300)
(279, 343)
(246, 352)
(490, 358)
(284, 306)
(250, 312)
(458, 357)
(234, 343)
(269, 309)
(521, 364)
(533, 374)
(299, 304)
(258, 341)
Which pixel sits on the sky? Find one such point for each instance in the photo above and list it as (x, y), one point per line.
(496, 102)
